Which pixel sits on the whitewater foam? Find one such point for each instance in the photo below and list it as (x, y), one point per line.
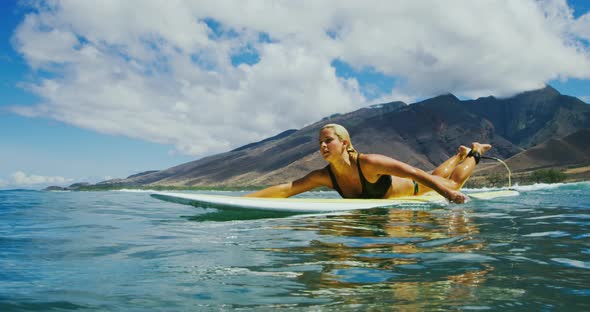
(529, 188)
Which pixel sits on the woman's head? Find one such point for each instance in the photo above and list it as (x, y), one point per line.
(343, 136)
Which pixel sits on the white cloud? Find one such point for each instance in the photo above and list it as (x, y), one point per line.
(158, 72)
(20, 178)
(585, 99)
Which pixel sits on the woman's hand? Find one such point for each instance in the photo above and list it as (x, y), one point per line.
(456, 197)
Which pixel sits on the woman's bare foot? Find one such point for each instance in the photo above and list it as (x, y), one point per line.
(481, 148)
(462, 152)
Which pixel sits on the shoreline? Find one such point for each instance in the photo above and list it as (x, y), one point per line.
(480, 179)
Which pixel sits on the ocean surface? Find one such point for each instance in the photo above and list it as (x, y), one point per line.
(128, 251)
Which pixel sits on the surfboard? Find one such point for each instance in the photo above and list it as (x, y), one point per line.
(313, 205)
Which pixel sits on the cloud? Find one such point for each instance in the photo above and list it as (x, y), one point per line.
(20, 178)
(585, 99)
(206, 76)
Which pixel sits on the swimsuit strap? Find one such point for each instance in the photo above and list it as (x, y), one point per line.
(362, 176)
(334, 182)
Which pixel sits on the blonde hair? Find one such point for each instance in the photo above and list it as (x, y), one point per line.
(343, 135)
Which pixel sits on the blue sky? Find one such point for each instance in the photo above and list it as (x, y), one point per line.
(87, 92)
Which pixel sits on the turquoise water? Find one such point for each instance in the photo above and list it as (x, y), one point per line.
(127, 251)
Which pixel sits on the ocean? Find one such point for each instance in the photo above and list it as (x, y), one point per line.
(128, 251)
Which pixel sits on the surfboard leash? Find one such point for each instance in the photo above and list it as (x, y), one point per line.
(505, 165)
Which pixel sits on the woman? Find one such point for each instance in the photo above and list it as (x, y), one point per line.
(355, 175)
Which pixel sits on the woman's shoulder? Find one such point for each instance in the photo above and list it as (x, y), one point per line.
(373, 158)
(378, 163)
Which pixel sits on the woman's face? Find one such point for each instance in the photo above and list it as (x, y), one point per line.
(330, 144)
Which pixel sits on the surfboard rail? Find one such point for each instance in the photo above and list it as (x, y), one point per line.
(311, 205)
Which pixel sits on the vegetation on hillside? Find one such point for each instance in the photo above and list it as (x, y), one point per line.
(551, 175)
(548, 176)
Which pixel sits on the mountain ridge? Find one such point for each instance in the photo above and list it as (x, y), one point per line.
(422, 134)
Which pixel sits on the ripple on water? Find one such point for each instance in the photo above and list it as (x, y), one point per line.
(572, 263)
(456, 257)
(549, 234)
(586, 235)
(524, 259)
(364, 275)
(440, 242)
(562, 216)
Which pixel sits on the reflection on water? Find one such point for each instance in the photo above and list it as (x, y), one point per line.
(396, 256)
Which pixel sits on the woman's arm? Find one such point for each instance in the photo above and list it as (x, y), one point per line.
(312, 180)
(385, 165)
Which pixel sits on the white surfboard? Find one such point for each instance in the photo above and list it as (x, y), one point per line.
(312, 205)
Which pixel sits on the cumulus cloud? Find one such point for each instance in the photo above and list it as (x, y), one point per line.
(20, 178)
(207, 76)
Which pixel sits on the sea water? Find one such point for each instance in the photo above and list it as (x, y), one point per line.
(128, 251)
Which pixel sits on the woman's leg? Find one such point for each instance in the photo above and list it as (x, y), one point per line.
(461, 172)
(464, 170)
(446, 168)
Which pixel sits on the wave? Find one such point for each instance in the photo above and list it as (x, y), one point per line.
(534, 187)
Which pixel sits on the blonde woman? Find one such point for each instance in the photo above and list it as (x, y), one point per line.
(355, 175)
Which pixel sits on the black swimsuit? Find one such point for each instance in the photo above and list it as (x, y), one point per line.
(370, 190)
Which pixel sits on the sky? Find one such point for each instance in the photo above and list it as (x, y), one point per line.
(93, 90)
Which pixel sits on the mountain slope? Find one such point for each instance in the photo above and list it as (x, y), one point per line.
(533, 117)
(423, 134)
(573, 149)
